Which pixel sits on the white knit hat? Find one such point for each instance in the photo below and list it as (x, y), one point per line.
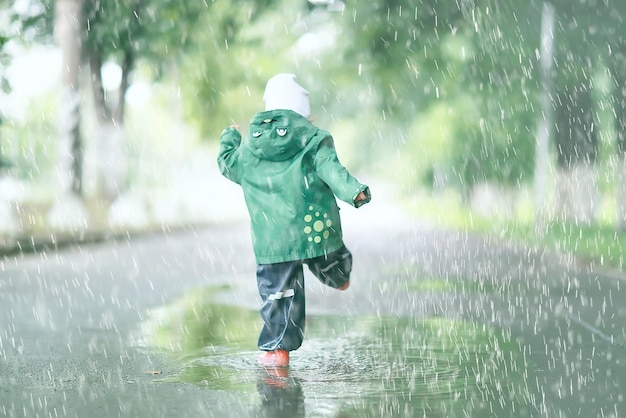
(282, 91)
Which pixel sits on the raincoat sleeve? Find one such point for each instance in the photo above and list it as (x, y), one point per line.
(228, 157)
(336, 176)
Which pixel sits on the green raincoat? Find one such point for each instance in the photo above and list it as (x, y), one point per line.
(289, 172)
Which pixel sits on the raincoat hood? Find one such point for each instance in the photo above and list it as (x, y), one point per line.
(278, 135)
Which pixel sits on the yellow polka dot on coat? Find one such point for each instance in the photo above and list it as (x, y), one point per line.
(318, 226)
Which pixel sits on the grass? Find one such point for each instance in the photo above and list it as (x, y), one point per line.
(446, 285)
(602, 243)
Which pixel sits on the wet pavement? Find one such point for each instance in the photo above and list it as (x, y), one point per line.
(435, 324)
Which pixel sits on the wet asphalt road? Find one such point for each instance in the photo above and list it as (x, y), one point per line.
(435, 323)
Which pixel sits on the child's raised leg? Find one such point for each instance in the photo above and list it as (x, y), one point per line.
(333, 269)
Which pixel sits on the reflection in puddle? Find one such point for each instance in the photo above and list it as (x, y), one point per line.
(281, 395)
(347, 366)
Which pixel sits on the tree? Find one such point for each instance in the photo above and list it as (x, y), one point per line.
(68, 18)
(399, 44)
(576, 145)
(502, 77)
(69, 212)
(36, 23)
(619, 109)
(4, 87)
(8, 220)
(544, 125)
(575, 134)
(126, 32)
(614, 51)
(589, 35)
(247, 41)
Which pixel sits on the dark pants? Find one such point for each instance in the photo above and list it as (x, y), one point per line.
(281, 286)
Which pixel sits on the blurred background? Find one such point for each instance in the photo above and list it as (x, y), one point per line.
(496, 115)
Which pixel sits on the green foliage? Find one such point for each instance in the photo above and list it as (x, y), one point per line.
(431, 84)
(586, 28)
(32, 21)
(462, 76)
(503, 77)
(196, 36)
(29, 145)
(399, 45)
(223, 77)
(411, 50)
(500, 149)
(152, 30)
(434, 132)
(4, 63)
(600, 244)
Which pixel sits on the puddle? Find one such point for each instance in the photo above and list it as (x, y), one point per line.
(347, 366)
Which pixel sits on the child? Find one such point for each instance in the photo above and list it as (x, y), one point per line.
(289, 172)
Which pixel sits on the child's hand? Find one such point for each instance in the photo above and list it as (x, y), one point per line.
(361, 196)
(234, 126)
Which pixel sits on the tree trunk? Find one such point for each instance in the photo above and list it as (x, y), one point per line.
(68, 26)
(113, 158)
(69, 212)
(577, 151)
(577, 193)
(545, 120)
(619, 108)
